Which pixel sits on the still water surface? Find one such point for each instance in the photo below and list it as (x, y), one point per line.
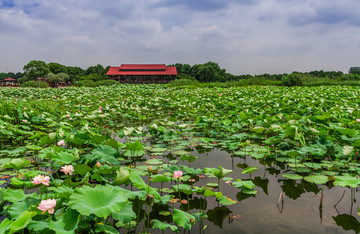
(300, 211)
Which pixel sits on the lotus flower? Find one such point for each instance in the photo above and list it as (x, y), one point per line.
(98, 165)
(41, 179)
(177, 174)
(67, 169)
(357, 120)
(61, 142)
(47, 205)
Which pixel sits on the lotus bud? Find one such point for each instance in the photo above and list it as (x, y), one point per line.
(150, 200)
(149, 169)
(98, 165)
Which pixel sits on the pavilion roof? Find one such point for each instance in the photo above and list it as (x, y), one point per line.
(8, 79)
(142, 69)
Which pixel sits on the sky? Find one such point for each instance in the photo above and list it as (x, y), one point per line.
(242, 36)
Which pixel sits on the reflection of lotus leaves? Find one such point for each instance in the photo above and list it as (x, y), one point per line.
(218, 215)
(348, 222)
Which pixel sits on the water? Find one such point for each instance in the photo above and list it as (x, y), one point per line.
(301, 211)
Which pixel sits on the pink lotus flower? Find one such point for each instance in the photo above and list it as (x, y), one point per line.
(101, 108)
(184, 201)
(357, 120)
(99, 111)
(177, 174)
(47, 205)
(41, 179)
(61, 142)
(67, 169)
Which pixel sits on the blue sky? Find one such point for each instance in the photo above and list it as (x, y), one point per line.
(242, 36)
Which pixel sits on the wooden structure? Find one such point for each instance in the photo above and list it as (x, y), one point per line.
(9, 82)
(142, 73)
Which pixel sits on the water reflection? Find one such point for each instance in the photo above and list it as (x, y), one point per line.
(281, 205)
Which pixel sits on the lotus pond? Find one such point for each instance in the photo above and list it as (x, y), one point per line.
(152, 159)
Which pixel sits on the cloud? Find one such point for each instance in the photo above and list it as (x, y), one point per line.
(263, 36)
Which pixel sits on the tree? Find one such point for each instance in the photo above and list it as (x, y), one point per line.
(35, 68)
(57, 78)
(354, 70)
(98, 69)
(211, 72)
(57, 68)
(75, 72)
(182, 68)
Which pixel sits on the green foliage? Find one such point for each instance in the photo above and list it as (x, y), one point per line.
(107, 82)
(354, 70)
(57, 78)
(293, 79)
(184, 82)
(97, 69)
(101, 200)
(35, 69)
(210, 72)
(35, 84)
(86, 83)
(56, 68)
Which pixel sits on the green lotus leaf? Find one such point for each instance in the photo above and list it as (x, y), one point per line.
(101, 228)
(17, 163)
(122, 175)
(13, 195)
(258, 129)
(105, 154)
(67, 223)
(63, 157)
(249, 170)
(192, 171)
(242, 184)
(224, 200)
(101, 200)
(345, 181)
(317, 179)
(347, 150)
(38, 226)
(189, 158)
(125, 215)
(161, 178)
(157, 224)
(154, 161)
(22, 221)
(134, 149)
(183, 219)
(34, 147)
(292, 176)
(222, 172)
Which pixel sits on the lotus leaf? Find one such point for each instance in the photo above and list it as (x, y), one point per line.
(101, 200)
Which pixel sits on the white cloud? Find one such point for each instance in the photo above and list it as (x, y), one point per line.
(264, 36)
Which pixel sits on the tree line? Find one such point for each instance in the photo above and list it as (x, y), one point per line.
(206, 72)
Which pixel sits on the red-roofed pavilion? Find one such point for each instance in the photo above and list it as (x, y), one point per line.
(142, 73)
(8, 82)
